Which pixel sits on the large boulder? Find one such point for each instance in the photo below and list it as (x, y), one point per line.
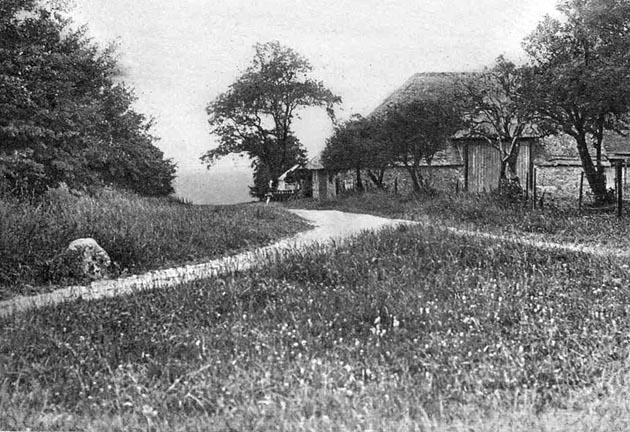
(82, 260)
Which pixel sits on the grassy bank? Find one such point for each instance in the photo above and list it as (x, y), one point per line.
(408, 329)
(139, 234)
(561, 222)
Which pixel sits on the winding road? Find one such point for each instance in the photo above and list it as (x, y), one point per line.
(330, 226)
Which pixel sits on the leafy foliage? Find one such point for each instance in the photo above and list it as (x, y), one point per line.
(418, 129)
(357, 144)
(497, 110)
(255, 115)
(578, 79)
(63, 117)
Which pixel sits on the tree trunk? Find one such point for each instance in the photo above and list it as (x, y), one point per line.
(595, 177)
(359, 187)
(509, 162)
(415, 181)
(376, 179)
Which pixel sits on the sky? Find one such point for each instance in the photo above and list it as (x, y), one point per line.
(179, 55)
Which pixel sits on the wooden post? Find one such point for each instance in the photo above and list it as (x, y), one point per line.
(581, 190)
(534, 192)
(466, 173)
(618, 166)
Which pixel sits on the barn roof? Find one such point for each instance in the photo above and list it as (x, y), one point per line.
(560, 150)
(433, 86)
(450, 156)
(616, 145)
(424, 85)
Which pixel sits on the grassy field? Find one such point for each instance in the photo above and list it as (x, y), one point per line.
(559, 221)
(408, 329)
(138, 233)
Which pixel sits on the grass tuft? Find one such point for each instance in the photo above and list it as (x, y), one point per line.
(139, 234)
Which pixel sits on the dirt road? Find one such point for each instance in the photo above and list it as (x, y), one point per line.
(329, 225)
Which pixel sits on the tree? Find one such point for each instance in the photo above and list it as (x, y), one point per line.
(579, 77)
(496, 109)
(255, 115)
(357, 145)
(63, 117)
(418, 129)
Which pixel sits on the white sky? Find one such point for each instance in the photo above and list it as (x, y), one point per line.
(181, 54)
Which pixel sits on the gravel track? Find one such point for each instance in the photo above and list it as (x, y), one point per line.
(330, 227)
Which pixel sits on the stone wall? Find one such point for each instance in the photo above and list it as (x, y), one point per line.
(564, 181)
(449, 179)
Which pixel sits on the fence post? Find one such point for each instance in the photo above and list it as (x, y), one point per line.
(619, 189)
(534, 192)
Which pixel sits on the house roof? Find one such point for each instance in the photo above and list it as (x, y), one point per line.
(314, 163)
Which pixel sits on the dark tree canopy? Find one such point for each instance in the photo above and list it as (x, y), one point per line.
(579, 76)
(357, 145)
(417, 130)
(63, 117)
(255, 115)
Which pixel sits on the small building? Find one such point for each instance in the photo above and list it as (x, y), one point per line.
(320, 182)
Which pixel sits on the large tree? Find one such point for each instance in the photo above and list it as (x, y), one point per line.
(356, 145)
(417, 130)
(63, 115)
(579, 76)
(256, 114)
(496, 108)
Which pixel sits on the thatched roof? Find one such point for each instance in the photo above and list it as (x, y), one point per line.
(314, 163)
(450, 156)
(425, 85)
(434, 86)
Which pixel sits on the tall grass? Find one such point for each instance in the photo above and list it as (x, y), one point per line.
(138, 233)
(410, 328)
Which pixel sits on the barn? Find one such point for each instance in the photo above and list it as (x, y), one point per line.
(480, 161)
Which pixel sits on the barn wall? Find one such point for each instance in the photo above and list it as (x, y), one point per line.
(564, 181)
(484, 166)
(445, 178)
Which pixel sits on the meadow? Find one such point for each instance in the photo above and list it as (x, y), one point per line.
(559, 221)
(408, 329)
(139, 234)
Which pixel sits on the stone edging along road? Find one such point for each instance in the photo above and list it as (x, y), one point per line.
(331, 227)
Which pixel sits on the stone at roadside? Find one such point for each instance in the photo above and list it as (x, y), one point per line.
(83, 260)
